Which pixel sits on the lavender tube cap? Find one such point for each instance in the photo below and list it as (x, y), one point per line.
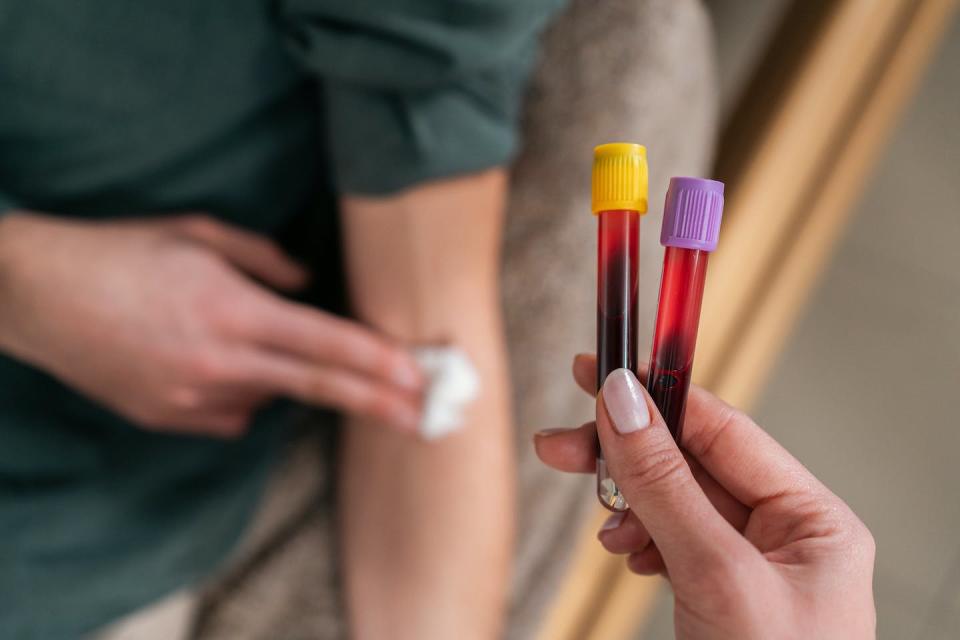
(692, 213)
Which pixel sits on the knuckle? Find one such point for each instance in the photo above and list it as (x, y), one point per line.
(205, 366)
(184, 398)
(656, 466)
(817, 515)
(699, 442)
(860, 541)
(225, 314)
(200, 270)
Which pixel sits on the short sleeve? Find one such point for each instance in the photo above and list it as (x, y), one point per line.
(417, 89)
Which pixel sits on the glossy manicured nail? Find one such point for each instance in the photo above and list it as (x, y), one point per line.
(614, 521)
(625, 402)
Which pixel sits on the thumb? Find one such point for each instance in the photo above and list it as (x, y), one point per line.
(255, 254)
(653, 475)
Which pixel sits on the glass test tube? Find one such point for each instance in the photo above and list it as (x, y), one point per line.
(619, 201)
(691, 227)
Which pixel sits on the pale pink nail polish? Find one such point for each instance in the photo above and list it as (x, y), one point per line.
(625, 402)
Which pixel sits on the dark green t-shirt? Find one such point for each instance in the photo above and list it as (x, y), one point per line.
(258, 112)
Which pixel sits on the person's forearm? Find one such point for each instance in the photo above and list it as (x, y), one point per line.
(427, 526)
(11, 247)
(6, 269)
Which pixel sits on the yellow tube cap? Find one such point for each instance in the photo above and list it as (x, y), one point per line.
(619, 177)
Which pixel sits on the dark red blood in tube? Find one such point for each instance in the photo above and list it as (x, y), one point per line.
(678, 316)
(619, 241)
(617, 282)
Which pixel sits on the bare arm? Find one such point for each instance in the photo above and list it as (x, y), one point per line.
(427, 527)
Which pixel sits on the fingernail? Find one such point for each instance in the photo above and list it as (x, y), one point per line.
(614, 521)
(550, 432)
(625, 402)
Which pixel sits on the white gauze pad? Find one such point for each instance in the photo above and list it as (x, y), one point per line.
(452, 384)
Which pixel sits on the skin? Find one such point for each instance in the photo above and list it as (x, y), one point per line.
(427, 528)
(172, 323)
(752, 543)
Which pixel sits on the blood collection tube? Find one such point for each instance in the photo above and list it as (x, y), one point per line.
(619, 200)
(691, 226)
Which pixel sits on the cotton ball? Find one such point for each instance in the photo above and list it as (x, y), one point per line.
(452, 384)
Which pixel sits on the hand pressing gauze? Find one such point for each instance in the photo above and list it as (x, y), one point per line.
(452, 384)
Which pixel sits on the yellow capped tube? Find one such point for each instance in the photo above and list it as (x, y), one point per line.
(619, 178)
(619, 201)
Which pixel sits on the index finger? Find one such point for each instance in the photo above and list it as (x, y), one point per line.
(324, 338)
(740, 455)
(657, 482)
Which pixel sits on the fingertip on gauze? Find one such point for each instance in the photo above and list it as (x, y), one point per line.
(452, 384)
